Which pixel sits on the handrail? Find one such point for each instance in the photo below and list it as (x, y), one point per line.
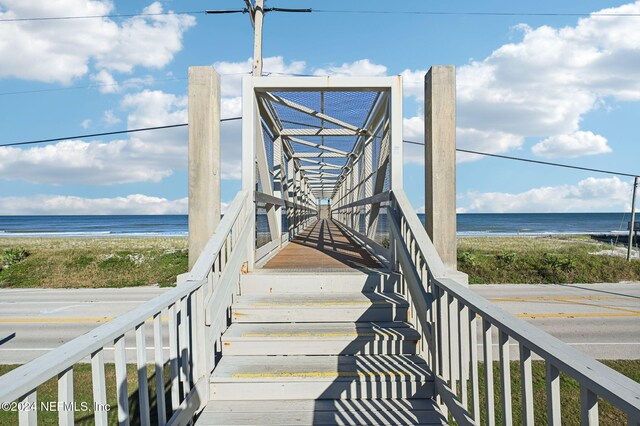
(606, 382)
(20, 381)
(205, 261)
(187, 309)
(452, 343)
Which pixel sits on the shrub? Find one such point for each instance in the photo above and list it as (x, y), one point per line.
(506, 257)
(12, 256)
(467, 258)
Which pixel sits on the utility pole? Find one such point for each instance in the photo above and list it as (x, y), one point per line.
(256, 14)
(633, 217)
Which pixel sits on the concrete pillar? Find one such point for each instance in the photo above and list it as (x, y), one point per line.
(204, 158)
(440, 161)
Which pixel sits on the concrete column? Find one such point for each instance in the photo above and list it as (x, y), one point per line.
(204, 158)
(440, 161)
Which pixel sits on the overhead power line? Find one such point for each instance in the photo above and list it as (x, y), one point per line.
(463, 13)
(118, 132)
(528, 160)
(126, 15)
(134, 15)
(486, 154)
(309, 10)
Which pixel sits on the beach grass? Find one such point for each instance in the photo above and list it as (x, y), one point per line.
(542, 260)
(129, 262)
(94, 263)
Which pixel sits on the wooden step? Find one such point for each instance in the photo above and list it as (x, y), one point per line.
(320, 307)
(264, 281)
(321, 412)
(321, 377)
(396, 338)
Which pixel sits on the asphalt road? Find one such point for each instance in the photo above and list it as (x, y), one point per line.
(602, 320)
(34, 321)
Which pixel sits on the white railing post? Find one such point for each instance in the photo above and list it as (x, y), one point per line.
(588, 407)
(65, 397)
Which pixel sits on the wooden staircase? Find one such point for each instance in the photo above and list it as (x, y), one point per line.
(320, 348)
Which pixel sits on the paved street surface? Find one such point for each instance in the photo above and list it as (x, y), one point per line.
(34, 321)
(602, 320)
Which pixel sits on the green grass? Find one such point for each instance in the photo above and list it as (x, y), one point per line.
(83, 393)
(569, 394)
(520, 260)
(83, 262)
(128, 262)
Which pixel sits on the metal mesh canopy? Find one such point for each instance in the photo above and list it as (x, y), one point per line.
(323, 129)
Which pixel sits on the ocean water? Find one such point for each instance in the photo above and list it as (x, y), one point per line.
(176, 225)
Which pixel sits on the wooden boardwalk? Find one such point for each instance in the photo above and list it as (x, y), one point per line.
(322, 246)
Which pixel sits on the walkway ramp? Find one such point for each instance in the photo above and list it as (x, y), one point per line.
(321, 338)
(323, 245)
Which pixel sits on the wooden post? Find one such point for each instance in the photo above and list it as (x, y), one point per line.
(440, 161)
(633, 217)
(204, 158)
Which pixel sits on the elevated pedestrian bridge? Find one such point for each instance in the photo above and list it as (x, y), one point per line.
(298, 313)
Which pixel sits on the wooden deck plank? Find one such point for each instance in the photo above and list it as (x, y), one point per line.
(322, 246)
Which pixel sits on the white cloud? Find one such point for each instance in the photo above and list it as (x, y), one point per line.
(55, 51)
(110, 118)
(362, 67)
(106, 82)
(86, 123)
(591, 194)
(71, 205)
(493, 142)
(544, 84)
(572, 145)
(232, 72)
(143, 157)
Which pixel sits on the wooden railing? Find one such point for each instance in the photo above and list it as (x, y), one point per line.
(197, 312)
(448, 315)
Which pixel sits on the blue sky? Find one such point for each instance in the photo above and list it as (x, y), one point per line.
(553, 88)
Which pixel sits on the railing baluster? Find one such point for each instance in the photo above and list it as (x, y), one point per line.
(122, 389)
(473, 352)
(487, 343)
(27, 412)
(143, 384)
(463, 342)
(159, 360)
(588, 407)
(553, 394)
(454, 349)
(65, 398)
(99, 388)
(526, 382)
(443, 308)
(183, 339)
(505, 378)
(173, 358)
